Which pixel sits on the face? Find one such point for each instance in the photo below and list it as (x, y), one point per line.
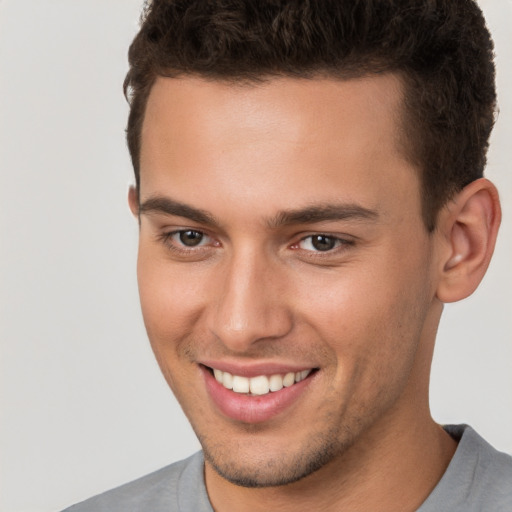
(286, 277)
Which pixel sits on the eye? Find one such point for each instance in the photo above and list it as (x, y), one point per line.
(320, 243)
(189, 237)
(188, 244)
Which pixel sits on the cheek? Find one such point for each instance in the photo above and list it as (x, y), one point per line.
(372, 322)
(170, 297)
(171, 302)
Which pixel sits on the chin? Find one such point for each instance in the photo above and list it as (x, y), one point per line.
(246, 467)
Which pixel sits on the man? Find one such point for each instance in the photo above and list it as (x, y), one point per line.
(310, 193)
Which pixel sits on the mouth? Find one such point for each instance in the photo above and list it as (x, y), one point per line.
(257, 396)
(260, 384)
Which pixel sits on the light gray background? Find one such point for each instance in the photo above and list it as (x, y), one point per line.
(83, 405)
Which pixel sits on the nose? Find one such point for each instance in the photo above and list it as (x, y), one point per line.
(250, 303)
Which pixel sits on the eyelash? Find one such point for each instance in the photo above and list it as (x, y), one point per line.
(166, 239)
(341, 244)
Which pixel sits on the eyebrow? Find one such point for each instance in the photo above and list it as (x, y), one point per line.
(321, 213)
(307, 215)
(167, 206)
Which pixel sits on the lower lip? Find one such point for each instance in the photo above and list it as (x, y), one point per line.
(252, 409)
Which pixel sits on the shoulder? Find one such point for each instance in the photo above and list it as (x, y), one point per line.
(490, 465)
(158, 491)
(479, 477)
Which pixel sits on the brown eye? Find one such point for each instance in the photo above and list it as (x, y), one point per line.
(320, 242)
(191, 238)
(323, 242)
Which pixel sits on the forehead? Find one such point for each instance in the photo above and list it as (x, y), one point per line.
(297, 108)
(283, 139)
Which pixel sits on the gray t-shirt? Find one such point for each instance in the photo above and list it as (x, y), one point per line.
(478, 478)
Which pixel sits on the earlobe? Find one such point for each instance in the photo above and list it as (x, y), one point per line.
(469, 223)
(133, 200)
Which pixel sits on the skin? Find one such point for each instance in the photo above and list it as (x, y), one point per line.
(255, 289)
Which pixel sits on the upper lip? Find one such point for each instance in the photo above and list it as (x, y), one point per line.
(257, 368)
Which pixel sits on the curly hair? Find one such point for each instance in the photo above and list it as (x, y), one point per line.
(441, 49)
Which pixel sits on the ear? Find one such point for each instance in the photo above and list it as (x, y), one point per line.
(133, 200)
(469, 225)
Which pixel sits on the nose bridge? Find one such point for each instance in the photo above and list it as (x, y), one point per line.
(250, 306)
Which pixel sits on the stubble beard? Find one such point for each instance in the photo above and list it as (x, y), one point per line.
(243, 460)
(279, 469)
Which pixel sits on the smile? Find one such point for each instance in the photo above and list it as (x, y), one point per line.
(261, 384)
(260, 394)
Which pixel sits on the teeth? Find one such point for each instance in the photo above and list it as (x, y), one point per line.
(276, 383)
(240, 384)
(301, 375)
(227, 380)
(289, 380)
(260, 385)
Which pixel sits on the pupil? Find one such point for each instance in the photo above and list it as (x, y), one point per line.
(191, 238)
(323, 243)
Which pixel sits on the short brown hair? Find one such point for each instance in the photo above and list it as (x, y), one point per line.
(441, 48)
